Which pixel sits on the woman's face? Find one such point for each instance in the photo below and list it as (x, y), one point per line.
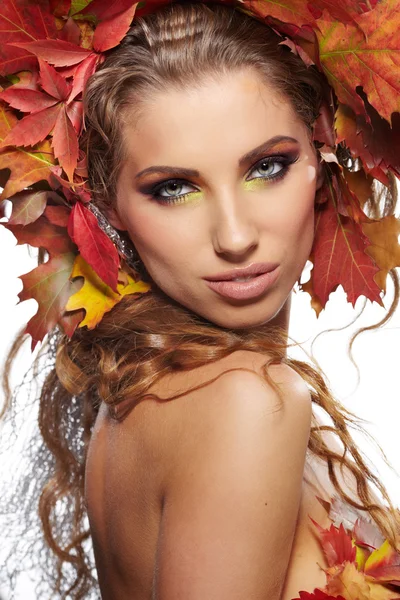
(218, 177)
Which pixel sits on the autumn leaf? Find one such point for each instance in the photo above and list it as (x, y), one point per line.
(384, 249)
(60, 8)
(383, 565)
(114, 18)
(22, 21)
(58, 215)
(342, 10)
(288, 11)
(96, 297)
(366, 54)
(28, 206)
(28, 165)
(94, 245)
(336, 543)
(318, 595)
(339, 258)
(49, 113)
(43, 234)
(50, 286)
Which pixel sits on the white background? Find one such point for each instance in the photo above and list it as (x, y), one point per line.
(377, 354)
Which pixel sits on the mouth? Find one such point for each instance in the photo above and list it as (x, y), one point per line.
(245, 287)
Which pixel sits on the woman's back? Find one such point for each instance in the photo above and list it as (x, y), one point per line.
(127, 471)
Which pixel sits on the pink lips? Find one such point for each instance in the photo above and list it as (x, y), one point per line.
(245, 290)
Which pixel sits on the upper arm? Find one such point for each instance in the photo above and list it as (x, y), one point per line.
(233, 494)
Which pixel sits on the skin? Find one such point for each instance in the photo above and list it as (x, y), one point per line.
(231, 216)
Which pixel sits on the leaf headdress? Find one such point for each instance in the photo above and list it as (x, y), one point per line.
(48, 51)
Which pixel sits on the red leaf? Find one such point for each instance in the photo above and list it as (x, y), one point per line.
(60, 8)
(70, 32)
(366, 55)
(110, 32)
(28, 101)
(336, 544)
(27, 207)
(56, 52)
(94, 245)
(22, 21)
(83, 72)
(52, 82)
(57, 215)
(318, 595)
(65, 143)
(50, 286)
(106, 9)
(339, 257)
(341, 10)
(27, 166)
(75, 113)
(33, 128)
(42, 234)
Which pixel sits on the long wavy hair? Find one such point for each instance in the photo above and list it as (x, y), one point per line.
(144, 338)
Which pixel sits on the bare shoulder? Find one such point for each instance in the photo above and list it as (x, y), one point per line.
(233, 481)
(236, 399)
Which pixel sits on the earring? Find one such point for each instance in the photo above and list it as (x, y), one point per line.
(124, 246)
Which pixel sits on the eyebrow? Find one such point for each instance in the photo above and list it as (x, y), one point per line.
(248, 157)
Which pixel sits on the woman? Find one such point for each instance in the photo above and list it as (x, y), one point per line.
(178, 421)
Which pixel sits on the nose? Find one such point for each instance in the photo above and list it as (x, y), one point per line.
(235, 234)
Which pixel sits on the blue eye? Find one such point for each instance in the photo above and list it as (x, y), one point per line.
(271, 168)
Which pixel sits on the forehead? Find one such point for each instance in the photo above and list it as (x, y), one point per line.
(231, 114)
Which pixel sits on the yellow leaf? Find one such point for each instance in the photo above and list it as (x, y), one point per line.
(95, 297)
(353, 585)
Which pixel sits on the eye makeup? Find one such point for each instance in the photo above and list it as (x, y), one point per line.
(276, 167)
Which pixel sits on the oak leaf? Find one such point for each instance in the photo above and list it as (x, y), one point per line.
(96, 297)
(27, 206)
(50, 286)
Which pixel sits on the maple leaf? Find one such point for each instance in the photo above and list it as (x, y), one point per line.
(288, 11)
(22, 21)
(50, 286)
(341, 10)
(96, 297)
(339, 257)
(336, 543)
(94, 245)
(58, 215)
(28, 166)
(49, 113)
(364, 54)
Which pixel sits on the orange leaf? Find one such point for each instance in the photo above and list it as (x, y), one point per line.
(366, 54)
(50, 286)
(352, 585)
(384, 248)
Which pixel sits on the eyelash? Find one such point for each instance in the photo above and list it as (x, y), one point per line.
(284, 161)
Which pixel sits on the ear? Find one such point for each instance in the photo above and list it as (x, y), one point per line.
(114, 218)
